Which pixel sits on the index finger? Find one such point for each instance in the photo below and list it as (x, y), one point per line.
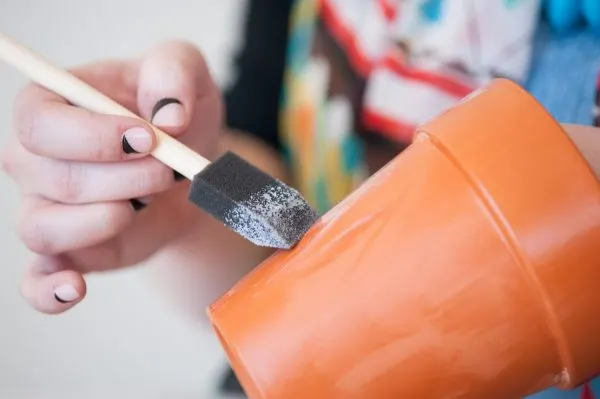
(47, 125)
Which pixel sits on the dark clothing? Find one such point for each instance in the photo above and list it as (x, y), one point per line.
(252, 102)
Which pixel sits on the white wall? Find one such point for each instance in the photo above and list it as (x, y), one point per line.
(123, 341)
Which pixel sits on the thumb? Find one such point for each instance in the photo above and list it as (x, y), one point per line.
(173, 76)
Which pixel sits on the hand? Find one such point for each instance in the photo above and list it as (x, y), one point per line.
(564, 15)
(92, 197)
(587, 140)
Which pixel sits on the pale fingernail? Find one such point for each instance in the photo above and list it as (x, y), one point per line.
(137, 140)
(66, 293)
(168, 112)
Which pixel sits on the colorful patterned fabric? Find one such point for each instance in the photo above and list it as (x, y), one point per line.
(386, 66)
(422, 56)
(411, 61)
(324, 153)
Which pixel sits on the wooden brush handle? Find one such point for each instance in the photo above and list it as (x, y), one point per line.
(168, 150)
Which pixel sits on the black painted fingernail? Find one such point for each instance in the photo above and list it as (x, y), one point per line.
(66, 293)
(178, 176)
(127, 148)
(137, 140)
(137, 205)
(161, 103)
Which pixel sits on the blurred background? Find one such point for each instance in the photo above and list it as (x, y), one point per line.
(124, 340)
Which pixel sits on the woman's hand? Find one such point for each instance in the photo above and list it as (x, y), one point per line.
(92, 199)
(587, 140)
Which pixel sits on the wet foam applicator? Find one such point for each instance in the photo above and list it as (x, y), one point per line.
(255, 205)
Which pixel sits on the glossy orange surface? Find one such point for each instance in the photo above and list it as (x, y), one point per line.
(466, 268)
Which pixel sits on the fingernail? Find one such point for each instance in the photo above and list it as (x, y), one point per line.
(66, 293)
(178, 176)
(137, 140)
(168, 112)
(140, 203)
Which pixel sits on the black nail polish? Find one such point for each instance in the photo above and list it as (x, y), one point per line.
(162, 103)
(137, 205)
(127, 148)
(178, 176)
(59, 300)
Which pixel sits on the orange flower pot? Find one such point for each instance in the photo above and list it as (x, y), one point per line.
(468, 267)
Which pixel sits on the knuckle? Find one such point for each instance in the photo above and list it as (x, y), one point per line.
(105, 136)
(154, 178)
(99, 146)
(26, 119)
(147, 181)
(69, 183)
(6, 161)
(141, 180)
(163, 178)
(12, 158)
(35, 235)
(114, 219)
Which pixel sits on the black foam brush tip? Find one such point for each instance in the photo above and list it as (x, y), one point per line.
(257, 206)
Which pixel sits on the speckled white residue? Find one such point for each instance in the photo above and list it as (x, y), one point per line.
(276, 216)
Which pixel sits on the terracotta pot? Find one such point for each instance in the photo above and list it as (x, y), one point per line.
(467, 268)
